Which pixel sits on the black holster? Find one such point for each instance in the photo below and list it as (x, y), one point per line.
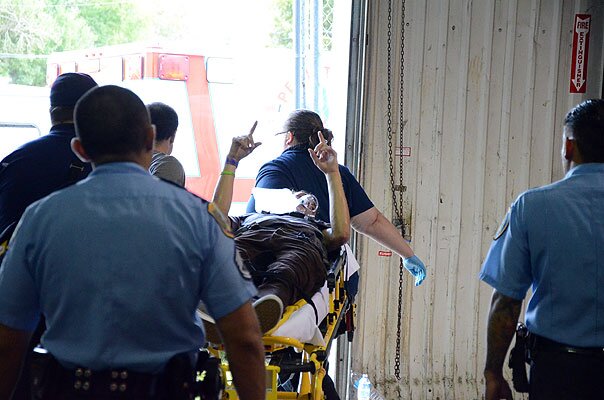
(45, 373)
(519, 358)
(209, 383)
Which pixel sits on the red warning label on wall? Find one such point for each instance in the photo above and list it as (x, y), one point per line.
(578, 69)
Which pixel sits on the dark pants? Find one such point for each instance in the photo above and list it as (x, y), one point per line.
(287, 260)
(558, 375)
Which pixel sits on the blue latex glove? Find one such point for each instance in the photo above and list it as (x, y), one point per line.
(416, 267)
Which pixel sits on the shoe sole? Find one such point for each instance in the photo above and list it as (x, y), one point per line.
(268, 311)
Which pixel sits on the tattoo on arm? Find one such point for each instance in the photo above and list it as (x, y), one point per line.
(501, 327)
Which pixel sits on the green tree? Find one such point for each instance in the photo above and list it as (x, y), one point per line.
(282, 36)
(20, 32)
(40, 27)
(114, 23)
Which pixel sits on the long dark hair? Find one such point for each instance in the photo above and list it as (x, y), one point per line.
(305, 125)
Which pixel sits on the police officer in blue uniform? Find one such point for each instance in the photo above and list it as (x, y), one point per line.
(552, 240)
(118, 264)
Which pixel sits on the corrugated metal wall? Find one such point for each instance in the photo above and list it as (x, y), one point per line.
(486, 90)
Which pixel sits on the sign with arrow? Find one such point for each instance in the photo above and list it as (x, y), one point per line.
(578, 72)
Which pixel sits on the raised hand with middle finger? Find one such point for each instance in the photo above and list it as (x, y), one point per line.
(324, 156)
(242, 146)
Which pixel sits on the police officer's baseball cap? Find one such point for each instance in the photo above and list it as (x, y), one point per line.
(69, 87)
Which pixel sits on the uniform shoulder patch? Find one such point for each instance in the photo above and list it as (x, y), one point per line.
(503, 227)
(3, 248)
(223, 221)
(5, 238)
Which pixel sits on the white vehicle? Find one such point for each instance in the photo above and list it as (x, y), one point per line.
(23, 115)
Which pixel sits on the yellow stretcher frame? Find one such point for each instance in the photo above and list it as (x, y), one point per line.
(313, 357)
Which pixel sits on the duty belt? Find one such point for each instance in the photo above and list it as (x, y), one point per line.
(83, 380)
(179, 380)
(541, 343)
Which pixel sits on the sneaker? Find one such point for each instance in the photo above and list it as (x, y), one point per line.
(210, 328)
(269, 309)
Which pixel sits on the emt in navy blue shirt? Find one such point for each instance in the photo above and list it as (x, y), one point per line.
(552, 240)
(294, 169)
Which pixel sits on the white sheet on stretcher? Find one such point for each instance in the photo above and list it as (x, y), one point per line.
(301, 324)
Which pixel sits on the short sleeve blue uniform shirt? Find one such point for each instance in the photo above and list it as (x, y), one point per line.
(294, 169)
(118, 263)
(554, 243)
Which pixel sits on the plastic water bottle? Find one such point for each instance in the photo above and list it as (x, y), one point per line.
(364, 389)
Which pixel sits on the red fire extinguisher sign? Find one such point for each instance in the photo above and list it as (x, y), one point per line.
(578, 72)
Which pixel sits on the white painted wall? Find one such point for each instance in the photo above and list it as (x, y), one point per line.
(486, 90)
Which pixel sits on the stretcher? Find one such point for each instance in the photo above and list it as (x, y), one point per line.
(298, 333)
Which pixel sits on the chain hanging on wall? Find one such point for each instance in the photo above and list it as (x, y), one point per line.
(397, 200)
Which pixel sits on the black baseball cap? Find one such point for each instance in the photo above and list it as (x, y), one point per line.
(69, 87)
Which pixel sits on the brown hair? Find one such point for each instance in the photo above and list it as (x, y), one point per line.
(305, 125)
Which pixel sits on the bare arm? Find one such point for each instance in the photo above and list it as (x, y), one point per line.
(240, 332)
(501, 325)
(241, 147)
(223, 193)
(13, 345)
(325, 158)
(372, 223)
(339, 218)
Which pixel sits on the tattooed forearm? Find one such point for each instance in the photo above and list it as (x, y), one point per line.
(501, 326)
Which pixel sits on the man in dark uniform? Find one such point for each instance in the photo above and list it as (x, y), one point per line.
(46, 164)
(552, 239)
(41, 167)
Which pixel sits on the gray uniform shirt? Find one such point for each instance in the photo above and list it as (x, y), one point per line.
(167, 167)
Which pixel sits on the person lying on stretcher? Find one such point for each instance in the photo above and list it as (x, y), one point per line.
(286, 253)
